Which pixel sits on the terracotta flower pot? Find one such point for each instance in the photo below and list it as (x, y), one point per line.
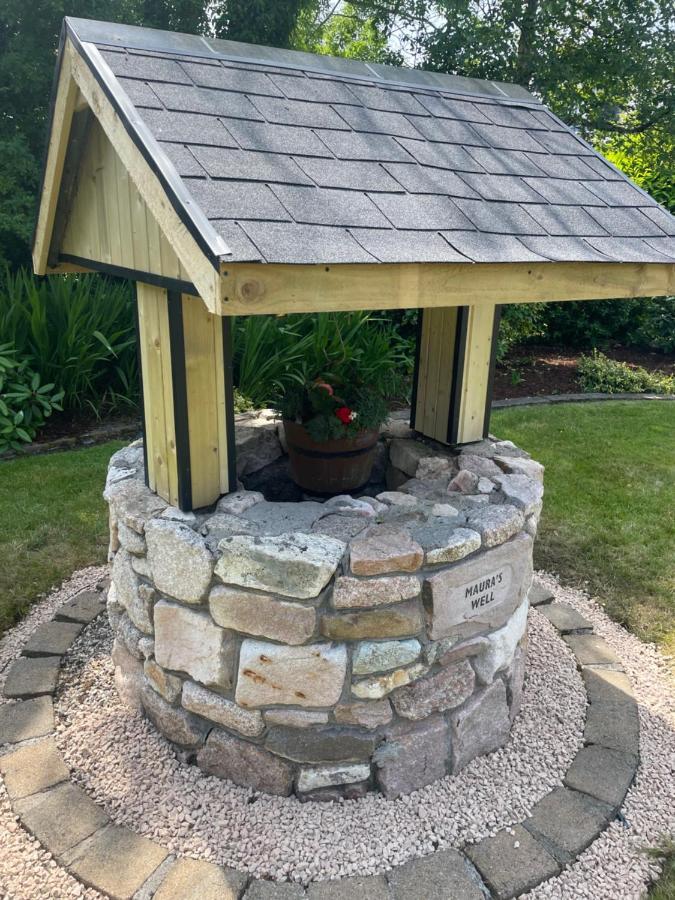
(330, 467)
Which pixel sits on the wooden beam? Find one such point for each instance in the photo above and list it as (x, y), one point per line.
(256, 289)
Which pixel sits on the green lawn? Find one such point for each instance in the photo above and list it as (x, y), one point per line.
(53, 520)
(609, 510)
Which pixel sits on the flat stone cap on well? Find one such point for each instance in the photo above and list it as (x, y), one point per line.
(292, 157)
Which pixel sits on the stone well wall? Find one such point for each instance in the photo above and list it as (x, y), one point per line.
(329, 648)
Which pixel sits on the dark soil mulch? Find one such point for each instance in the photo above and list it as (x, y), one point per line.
(535, 371)
(75, 423)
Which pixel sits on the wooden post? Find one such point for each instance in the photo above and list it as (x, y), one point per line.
(454, 370)
(187, 398)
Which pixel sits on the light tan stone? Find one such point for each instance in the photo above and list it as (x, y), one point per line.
(461, 543)
(169, 686)
(370, 714)
(137, 599)
(296, 718)
(275, 675)
(378, 686)
(447, 689)
(385, 548)
(189, 641)
(205, 703)
(402, 620)
(380, 656)
(262, 615)
(350, 593)
(180, 561)
(309, 779)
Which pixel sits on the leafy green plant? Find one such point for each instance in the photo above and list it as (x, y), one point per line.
(333, 411)
(598, 373)
(25, 402)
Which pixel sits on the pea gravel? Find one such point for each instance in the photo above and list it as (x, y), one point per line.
(119, 759)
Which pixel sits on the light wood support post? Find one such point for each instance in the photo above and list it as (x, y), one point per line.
(187, 398)
(454, 370)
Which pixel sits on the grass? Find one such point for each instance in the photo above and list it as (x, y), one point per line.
(664, 889)
(53, 520)
(609, 512)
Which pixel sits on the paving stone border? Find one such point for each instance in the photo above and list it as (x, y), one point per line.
(126, 866)
(548, 399)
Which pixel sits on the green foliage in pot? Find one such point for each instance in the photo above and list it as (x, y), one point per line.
(25, 402)
(333, 411)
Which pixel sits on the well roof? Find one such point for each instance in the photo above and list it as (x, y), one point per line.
(287, 157)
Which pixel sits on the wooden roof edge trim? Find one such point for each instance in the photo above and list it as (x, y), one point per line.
(255, 289)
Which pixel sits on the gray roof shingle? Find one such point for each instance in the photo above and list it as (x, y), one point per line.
(299, 158)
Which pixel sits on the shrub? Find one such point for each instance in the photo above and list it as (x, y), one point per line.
(520, 322)
(25, 402)
(607, 376)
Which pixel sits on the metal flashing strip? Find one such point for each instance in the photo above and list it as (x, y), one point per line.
(162, 281)
(228, 376)
(188, 211)
(180, 403)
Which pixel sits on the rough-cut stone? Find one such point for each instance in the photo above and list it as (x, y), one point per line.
(378, 686)
(485, 485)
(566, 619)
(406, 455)
(222, 525)
(197, 879)
(346, 505)
(296, 718)
(205, 703)
(309, 779)
(454, 544)
(32, 677)
(591, 650)
(169, 686)
(147, 647)
(444, 510)
(132, 503)
(397, 498)
(409, 760)
(604, 774)
(448, 650)
(238, 502)
(130, 636)
(257, 443)
(385, 548)
(188, 641)
(130, 540)
(479, 593)
(432, 467)
(141, 566)
(275, 675)
(321, 745)
(283, 518)
(61, 818)
(52, 638)
(350, 593)
(396, 621)
(372, 888)
(539, 594)
(179, 515)
(512, 862)
(443, 875)
(495, 523)
(244, 763)
(137, 599)
(26, 719)
(515, 679)
(464, 482)
(128, 675)
(262, 614)
(370, 714)
(516, 466)
(446, 689)
(177, 725)
(294, 565)
(32, 768)
(341, 527)
(273, 890)
(521, 491)
(380, 656)
(503, 643)
(180, 561)
(479, 465)
(82, 608)
(612, 717)
(566, 822)
(481, 726)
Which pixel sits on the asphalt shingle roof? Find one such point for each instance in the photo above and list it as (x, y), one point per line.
(295, 158)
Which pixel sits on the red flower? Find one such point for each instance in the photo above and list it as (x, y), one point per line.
(344, 414)
(326, 387)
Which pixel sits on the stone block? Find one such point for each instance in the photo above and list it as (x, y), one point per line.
(372, 714)
(175, 724)
(495, 523)
(116, 861)
(397, 498)
(321, 745)
(244, 763)
(604, 774)
(274, 890)
(131, 540)
(127, 633)
(60, 818)
(189, 641)
(341, 527)
(224, 525)
(379, 656)
(133, 503)
(32, 768)
(443, 875)
(394, 621)
(481, 726)
(448, 651)
(309, 779)
(283, 518)
(566, 822)
(141, 567)
(197, 879)
(512, 864)
(351, 593)
(503, 643)
(26, 719)
(32, 677)
(566, 619)
(138, 603)
(444, 510)
(296, 718)
(262, 615)
(612, 717)
(82, 608)
(257, 443)
(180, 561)
(515, 679)
(539, 593)
(464, 482)
(479, 593)
(446, 689)
(205, 703)
(406, 455)
(238, 502)
(591, 650)
(409, 760)
(377, 686)
(374, 887)
(459, 542)
(275, 675)
(52, 639)
(521, 491)
(517, 466)
(479, 465)
(169, 686)
(385, 548)
(294, 565)
(128, 675)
